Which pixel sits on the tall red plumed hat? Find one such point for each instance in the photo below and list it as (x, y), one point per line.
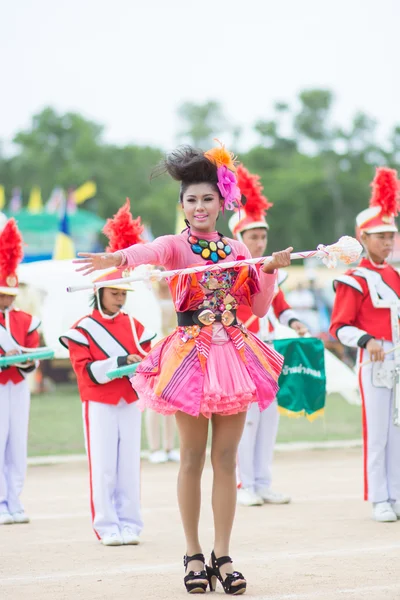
(11, 254)
(256, 205)
(122, 231)
(384, 204)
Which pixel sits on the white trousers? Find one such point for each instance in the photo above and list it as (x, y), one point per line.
(14, 419)
(381, 438)
(154, 421)
(112, 437)
(256, 447)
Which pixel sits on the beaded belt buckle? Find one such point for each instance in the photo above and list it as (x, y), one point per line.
(207, 317)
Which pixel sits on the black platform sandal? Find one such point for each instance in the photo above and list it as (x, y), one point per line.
(214, 573)
(196, 582)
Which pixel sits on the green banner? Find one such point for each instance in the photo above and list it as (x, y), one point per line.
(302, 382)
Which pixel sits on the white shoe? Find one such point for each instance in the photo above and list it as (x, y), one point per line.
(247, 497)
(158, 457)
(129, 538)
(396, 508)
(20, 517)
(112, 540)
(174, 456)
(6, 518)
(383, 512)
(270, 497)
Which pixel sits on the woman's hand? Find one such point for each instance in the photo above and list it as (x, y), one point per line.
(131, 359)
(279, 260)
(376, 351)
(97, 262)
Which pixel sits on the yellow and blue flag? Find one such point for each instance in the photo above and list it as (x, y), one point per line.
(64, 246)
(85, 191)
(35, 204)
(2, 197)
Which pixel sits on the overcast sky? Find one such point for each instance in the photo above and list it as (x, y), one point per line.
(130, 64)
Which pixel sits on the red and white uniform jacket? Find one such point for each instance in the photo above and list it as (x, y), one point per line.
(355, 319)
(22, 332)
(98, 345)
(279, 309)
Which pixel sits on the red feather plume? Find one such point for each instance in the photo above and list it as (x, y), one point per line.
(123, 230)
(386, 191)
(250, 186)
(11, 248)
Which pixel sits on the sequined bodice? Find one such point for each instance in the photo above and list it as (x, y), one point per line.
(217, 286)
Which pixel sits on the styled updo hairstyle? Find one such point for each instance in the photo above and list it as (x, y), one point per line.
(189, 166)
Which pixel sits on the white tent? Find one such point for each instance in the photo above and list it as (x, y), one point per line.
(44, 294)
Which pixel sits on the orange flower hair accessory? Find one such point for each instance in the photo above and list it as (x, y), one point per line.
(226, 174)
(220, 156)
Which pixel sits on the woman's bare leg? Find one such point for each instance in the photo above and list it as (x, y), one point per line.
(226, 434)
(193, 441)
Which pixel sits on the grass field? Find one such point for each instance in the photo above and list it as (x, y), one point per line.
(56, 424)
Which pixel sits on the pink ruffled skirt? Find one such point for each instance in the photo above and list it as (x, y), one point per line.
(171, 378)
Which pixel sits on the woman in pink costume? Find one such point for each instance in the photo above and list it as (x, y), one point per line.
(210, 367)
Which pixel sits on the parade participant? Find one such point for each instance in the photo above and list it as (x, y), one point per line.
(210, 367)
(162, 452)
(256, 447)
(365, 315)
(18, 332)
(98, 343)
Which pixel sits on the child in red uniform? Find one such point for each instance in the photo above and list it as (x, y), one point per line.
(256, 448)
(18, 332)
(365, 315)
(104, 340)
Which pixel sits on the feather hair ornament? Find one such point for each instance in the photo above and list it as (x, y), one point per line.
(11, 249)
(123, 230)
(256, 204)
(220, 156)
(386, 191)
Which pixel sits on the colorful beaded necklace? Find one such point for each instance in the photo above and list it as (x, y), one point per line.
(213, 251)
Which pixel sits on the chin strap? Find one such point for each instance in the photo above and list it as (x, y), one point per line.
(100, 308)
(135, 337)
(376, 265)
(131, 321)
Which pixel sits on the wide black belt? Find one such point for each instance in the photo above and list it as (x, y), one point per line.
(205, 316)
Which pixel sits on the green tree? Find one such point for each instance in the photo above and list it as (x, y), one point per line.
(57, 150)
(316, 174)
(270, 130)
(201, 123)
(312, 124)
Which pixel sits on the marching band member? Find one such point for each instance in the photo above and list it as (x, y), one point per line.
(102, 341)
(210, 367)
(18, 332)
(256, 446)
(162, 448)
(365, 315)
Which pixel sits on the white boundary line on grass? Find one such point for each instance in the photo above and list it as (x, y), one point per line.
(167, 567)
(287, 447)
